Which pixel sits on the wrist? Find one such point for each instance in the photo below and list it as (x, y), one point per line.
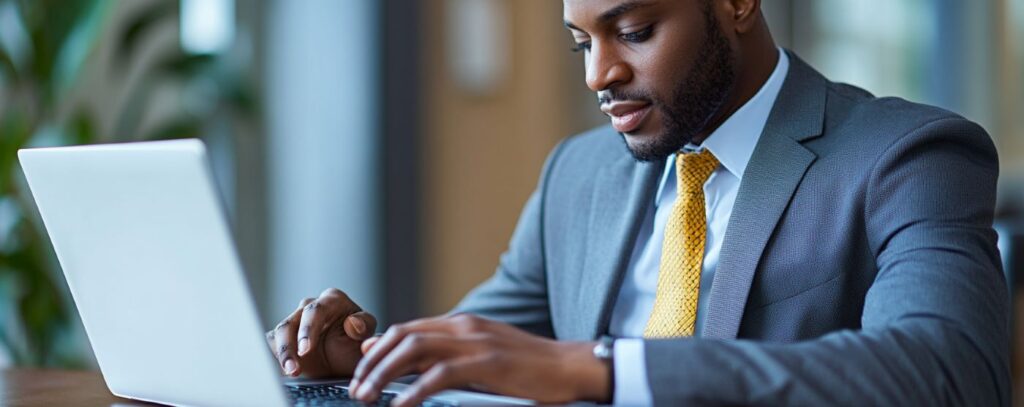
(591, 377)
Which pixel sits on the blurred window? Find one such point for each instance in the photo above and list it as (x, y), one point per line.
(207, 26)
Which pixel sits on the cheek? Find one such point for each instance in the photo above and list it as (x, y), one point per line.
(659, 71)
(670, 58)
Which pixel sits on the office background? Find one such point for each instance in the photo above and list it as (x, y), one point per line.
(385, 147)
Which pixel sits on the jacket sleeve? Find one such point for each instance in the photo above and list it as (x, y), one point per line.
(935, 325)
(517, 293)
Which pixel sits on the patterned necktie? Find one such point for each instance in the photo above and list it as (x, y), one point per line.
(682, 253)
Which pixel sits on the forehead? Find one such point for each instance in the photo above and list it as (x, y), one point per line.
(586, 10)
(594, 12)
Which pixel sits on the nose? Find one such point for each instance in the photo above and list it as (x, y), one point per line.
(605, 67)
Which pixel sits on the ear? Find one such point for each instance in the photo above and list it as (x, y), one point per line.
(743, 14)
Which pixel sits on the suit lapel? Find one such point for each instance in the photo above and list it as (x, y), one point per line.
(776, 168)
(622, 195)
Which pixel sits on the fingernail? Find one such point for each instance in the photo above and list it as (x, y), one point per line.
(353, 386)
(364, 391)
(303, 346)
(289, 366)
(358, 325)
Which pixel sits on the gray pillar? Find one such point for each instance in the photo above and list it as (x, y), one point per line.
(322, 111)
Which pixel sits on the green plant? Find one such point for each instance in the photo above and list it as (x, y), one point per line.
(44, 47)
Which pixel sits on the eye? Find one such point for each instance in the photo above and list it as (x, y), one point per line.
(581, 46)
(638, 36)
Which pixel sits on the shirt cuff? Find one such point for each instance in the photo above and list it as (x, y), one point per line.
(631, 387)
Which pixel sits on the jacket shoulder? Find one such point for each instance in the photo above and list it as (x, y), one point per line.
(588, 151)
(885, 120)
(599, 144)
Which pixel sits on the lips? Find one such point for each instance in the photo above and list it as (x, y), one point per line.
(627, 116)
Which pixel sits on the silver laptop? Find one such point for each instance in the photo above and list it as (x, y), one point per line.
(145, 246)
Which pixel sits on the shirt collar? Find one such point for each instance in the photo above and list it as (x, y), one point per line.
(733, 142)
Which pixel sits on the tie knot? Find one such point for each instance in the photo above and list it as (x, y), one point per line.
(693, 170)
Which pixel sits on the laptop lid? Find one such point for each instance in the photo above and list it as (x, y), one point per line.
(148, 255)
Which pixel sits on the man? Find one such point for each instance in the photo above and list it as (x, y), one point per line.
(765, 237)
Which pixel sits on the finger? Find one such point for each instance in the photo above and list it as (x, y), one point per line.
(385, 343)
(364, 347)
(405, 359)
(392, 338)
(269, 336)
(452, 374)
(320, 314)
(284, 343)
(360, 326)
(368, 343)
(271, 342)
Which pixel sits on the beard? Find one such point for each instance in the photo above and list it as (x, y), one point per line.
(696, 100)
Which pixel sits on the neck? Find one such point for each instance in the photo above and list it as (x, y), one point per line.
(756, 58)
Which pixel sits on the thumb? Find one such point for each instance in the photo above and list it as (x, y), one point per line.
(360, 325)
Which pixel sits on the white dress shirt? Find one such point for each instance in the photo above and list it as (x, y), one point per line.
(733, 144)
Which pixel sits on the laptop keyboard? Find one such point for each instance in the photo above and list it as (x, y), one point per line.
(337, 396)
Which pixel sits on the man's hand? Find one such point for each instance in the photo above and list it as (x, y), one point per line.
(322, 337)
(468, 351)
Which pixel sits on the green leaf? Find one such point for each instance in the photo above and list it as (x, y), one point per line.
(175, 66)
(83, 128)
(13, 350)
(7, 67)
(134, 109)
(139, 25)
(180, 65)
(176, 129)
(72, 52)
(15, 130)
(41, 304)
(242, 99)
(49, 25)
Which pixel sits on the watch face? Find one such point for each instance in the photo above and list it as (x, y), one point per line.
(603, 350)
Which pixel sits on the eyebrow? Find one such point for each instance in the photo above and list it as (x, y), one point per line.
(613, 13)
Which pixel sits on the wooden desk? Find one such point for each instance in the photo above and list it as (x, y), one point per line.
(40, 387)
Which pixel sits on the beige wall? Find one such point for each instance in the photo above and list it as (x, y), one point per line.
(484, 152)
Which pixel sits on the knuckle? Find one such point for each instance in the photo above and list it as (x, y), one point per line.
(469, 322)
(331, 292)
(444, 369)
(282, 351)
(415, 340)
(284, 324)
(487, 340)
(491, 357)
(396, 330)
(312, 306)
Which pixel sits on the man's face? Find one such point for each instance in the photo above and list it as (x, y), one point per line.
(661, 68)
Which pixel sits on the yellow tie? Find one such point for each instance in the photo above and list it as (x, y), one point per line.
(682, 253)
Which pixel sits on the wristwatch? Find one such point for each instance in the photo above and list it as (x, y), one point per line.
(604, 348)
(604, 351)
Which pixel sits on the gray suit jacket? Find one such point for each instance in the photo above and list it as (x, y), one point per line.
(859, 266)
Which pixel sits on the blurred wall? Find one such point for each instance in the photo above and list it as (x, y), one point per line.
(484, 147)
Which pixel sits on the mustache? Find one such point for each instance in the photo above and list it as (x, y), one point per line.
(611, 95)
